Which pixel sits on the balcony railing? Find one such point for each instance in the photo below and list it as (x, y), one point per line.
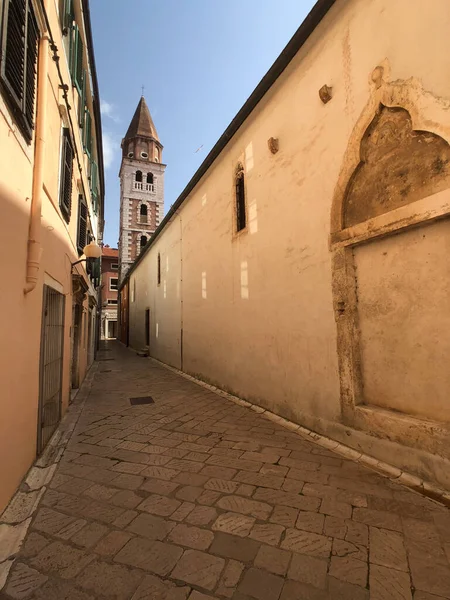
(144, 187)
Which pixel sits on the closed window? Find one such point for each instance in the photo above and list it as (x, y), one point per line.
(65, 188)
(82, 236)
(159, 269)
(113, 283)
(114, 266)
(241, 216)
(20, 34)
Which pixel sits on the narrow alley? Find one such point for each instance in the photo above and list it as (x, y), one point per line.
(193, 496)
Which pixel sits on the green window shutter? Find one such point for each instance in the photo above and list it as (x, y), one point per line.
(87, 137)
(66, 15)
(82, 100)
(76, 57)
(94, 176)
(72, 52)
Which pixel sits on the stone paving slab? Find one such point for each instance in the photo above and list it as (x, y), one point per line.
(195, 497)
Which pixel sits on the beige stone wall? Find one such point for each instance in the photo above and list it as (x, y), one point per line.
(257, 309)
(21, 315)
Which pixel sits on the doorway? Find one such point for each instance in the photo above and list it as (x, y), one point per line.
(51, 361)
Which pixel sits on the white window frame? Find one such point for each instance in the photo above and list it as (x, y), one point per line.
(111, 279)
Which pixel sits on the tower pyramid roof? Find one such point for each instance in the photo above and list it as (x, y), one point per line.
(142, 124)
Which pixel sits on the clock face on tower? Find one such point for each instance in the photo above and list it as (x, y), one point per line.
(142, 186)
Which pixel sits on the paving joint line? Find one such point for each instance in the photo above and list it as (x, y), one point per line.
(406, 479)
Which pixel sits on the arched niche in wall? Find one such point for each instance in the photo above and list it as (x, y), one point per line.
(390, 239)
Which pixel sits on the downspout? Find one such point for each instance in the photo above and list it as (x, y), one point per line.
(34, 234)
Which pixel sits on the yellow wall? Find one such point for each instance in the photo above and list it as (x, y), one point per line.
(256, 308)
(21, 315)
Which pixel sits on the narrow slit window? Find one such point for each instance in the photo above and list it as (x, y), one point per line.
(159, 268)
(241, 215)
(143, 241)
(144, 213)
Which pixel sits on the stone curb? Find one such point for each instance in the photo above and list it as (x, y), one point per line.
(17, 516)
(395, 474)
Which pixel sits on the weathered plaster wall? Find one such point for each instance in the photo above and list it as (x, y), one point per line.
(258, 312)
(21, 315)
(163, 300)
(404, 310)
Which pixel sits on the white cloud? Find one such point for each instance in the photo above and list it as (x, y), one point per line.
(110, 149)
(109, 110)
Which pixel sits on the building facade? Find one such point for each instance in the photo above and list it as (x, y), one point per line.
(141, 186)
(110, 285)
(51, 190)
(305, 265)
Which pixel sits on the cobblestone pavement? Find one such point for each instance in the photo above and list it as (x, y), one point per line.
(197, 497)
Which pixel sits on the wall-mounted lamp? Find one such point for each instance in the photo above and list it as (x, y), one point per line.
(92, 250)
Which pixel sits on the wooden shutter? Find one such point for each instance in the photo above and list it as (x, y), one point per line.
(88, 132)
(82, 224)
(94, 186)
(67, 16)
(30, 81)
(77, 59)
(13, 64)
(82, 100)
(18, 61)
(65, 197)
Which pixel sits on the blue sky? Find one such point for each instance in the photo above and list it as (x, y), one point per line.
(199, 60)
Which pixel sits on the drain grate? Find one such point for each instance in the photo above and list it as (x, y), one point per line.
(142, 400)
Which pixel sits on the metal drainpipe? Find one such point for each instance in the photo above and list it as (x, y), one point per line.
(34, 235)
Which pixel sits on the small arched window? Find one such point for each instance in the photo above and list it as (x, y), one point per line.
(241, 216)
(149, 177)
(139, 176)
(143, 241)
(143, 213)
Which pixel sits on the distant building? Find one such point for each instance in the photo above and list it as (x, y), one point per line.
(110, 284)
(141, 186)
(51, 191)
(305, 266)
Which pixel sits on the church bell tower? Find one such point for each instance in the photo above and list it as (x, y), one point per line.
(141, 186)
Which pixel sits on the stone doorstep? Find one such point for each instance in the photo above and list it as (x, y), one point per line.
(17, 516)
(422, 487)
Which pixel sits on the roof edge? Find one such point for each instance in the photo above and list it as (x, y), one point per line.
(311, 21)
